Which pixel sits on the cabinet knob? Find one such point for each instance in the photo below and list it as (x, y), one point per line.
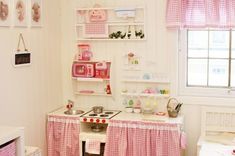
(97, 120)
(91, 120)
(103, 121)
(84, 119)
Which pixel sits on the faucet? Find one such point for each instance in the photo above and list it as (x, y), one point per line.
(70, 104)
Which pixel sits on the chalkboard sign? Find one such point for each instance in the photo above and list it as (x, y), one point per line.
(22, 59)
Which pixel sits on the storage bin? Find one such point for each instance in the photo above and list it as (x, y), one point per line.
(8, 149)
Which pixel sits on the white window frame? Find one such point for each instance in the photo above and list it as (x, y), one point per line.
(183, 89)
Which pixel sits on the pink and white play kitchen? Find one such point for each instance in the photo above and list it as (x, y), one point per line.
(98, 131)
(139, 128)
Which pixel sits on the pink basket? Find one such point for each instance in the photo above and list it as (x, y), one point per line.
(8, 149)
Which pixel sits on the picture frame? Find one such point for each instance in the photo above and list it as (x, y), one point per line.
(36, 13)
(20, 13)
(5, 13)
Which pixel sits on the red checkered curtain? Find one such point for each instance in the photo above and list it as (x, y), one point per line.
(132, 138)
(200, 14)
(63, 136)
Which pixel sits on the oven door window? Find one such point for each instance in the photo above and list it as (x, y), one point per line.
(87, 154)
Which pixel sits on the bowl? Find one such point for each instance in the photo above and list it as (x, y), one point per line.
(137, 110)
(148, 111)
(73, 112)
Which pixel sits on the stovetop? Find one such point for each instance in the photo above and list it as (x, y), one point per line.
(106, 114)
(103, 117)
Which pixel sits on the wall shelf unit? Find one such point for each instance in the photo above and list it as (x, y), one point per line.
(129, 20)
(93, 78)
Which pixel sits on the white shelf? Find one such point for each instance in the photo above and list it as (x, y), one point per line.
(108, 8)
(116, 23)
(132, 69)
(113, 23)
(93, 94)
(108, 39)
(92, 61)
(92, 79)
(145, 81)
(146, 95)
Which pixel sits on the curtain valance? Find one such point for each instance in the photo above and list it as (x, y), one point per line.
(200, 14)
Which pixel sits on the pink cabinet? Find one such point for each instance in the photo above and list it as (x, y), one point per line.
(63, 136)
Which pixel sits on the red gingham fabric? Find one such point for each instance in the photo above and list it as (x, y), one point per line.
(200, 13)
(95, 29)
(131, 138)
(63, 136)
(8, 150)
(92, 146)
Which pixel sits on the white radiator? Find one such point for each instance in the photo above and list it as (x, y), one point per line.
(216, 121)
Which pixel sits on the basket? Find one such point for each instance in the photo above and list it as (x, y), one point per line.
(173, 107)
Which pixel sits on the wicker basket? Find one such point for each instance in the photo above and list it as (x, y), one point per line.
(172, 107)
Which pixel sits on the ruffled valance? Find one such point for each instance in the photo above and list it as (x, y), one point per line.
(200, 14)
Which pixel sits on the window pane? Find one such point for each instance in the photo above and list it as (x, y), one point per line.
(233, 44)
(197, 53)
(218, 72)
(197, 72)
(219, 44)
(233, 73)
(197, 43)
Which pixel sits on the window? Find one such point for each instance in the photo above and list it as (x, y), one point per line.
(207, 61)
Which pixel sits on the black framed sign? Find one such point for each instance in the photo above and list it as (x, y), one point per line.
(22, 59)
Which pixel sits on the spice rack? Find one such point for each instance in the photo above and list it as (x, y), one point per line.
(126, 20)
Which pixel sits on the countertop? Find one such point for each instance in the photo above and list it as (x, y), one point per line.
(146, 117)
(126, 116)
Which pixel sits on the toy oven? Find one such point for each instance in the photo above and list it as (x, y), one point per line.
(83, 70)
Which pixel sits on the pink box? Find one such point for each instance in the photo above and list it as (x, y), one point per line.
(102, 70)
(8, 149)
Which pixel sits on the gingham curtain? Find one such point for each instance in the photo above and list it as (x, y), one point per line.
(200, 14)
(63, 136)
(132, 138)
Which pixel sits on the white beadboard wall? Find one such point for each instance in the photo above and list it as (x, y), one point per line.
(160, 48)
(29, 93)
